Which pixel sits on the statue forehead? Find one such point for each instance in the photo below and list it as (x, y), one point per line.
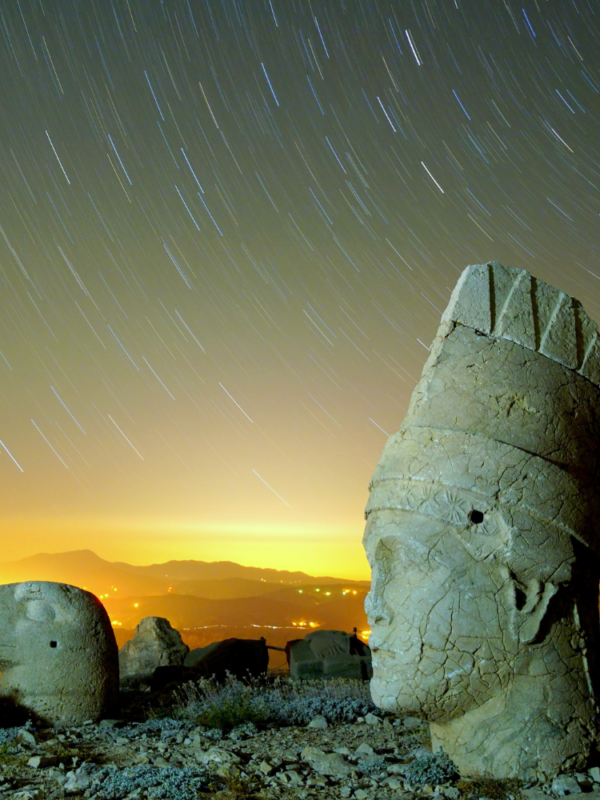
(449, 475)
(430, 499)
(46, 601)
(412, 537)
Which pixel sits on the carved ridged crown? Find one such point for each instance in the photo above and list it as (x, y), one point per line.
(509, 303)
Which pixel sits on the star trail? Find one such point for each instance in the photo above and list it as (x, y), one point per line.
(228, 229)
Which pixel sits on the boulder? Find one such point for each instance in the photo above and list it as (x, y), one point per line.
(240, 658)
(155, 644)
(58, 654)
(329, 654)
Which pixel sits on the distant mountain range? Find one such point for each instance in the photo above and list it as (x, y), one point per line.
(205, 601)
(215, 580)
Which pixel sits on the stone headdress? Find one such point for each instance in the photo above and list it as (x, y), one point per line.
(506, 415)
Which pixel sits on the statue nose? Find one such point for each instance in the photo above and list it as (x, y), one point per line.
(378, 611)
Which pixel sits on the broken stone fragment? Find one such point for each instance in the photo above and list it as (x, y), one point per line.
(155, 644)
(318, 722)
(326, 763)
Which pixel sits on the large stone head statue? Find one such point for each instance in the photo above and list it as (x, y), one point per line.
(483, 533)
(58, 654)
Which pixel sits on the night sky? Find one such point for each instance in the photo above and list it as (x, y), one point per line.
(228, 229)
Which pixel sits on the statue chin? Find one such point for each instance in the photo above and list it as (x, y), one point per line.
(389, 696)
(399, 687)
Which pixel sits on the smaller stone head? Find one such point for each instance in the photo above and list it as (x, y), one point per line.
(58, 653)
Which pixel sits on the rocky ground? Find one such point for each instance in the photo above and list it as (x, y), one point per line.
(372, 758)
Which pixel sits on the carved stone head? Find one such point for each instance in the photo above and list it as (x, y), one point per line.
(482, 533)
(58, 654)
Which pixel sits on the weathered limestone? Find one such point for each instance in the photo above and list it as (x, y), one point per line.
(155, 644)
(329, 654)
(58, 654)
(482, 533)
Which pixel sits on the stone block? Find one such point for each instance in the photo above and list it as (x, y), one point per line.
(329, 654)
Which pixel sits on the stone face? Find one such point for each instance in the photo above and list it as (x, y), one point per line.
(482, 533)
(329, 654)
(155, 644)
(58, 654)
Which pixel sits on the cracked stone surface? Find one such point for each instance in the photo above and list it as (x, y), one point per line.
(58, 654)
(482, 533)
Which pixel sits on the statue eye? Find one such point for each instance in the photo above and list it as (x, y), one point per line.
(476, 516)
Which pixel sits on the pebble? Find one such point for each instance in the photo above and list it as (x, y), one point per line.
(586, 784)
(371, 719)
(318, 722)
(332, 761)
(42, 761)
(565, 784)
(77, 782)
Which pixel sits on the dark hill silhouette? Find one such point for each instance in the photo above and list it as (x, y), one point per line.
(185, 611)
(224, 588)
(81, 568)
(218, 580)
(279, 609)
(226, 570)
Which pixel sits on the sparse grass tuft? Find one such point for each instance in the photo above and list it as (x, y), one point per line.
(279, 701)
(228, 706)
(12, 762)
(435, 769)
(235, 788)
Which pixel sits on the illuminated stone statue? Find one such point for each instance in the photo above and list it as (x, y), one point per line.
(58, 654)
(482, 533)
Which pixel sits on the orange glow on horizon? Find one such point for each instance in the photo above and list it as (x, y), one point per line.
(316, 550)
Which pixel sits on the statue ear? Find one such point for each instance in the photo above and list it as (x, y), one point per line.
(528, 605)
